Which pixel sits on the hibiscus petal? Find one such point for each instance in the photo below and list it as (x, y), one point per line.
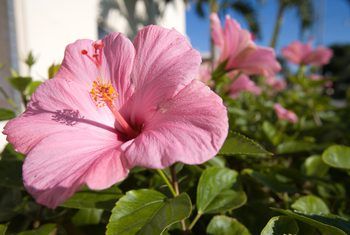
(57, 105)
(117, 59)
(165, 62)
(56, 167)
(119, 55)
(190, 128)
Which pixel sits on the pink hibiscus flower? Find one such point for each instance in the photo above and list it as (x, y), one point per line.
(115, 105)
(304, 54)
(276, 84)
(243, 83)
(285, 114)
(239, 51)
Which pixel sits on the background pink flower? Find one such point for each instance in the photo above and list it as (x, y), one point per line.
(285, 114)
(238, 49)
(114, 105)
(299, 53)
(241, 84)
(278, 84)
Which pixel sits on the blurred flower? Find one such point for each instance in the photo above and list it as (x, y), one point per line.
(115, 105)
(239, 51)
(241, 84)
(285, 114)
(316, 77)
(303, 54)
(276, 84)
(204, 74)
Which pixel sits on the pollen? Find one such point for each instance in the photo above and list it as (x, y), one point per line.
(103, 93)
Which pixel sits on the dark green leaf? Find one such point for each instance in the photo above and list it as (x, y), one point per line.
(6, 114)
(215, 193)
(20, 83)
(87, 199)
(310, 205)
(87, 216)
(46, 229)
(10, 154)
(147, 212)
(280, 225)
(328, 224)
(337, 156)
(314, 166)
(11, 174)
(271, 181)
(294, 146)
(237, 144)
(223, 225)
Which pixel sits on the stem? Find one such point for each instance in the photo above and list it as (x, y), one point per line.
(166, 180)
(177, 191)
(278, 24)
(195, 221)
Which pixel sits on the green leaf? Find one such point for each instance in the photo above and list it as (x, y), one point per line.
(237, 144)
(337, 156)
(6, 114)
(20, 83)
(46, 229)
(280, 225)
(271, 133)
(9, 153)
(223, 225)
(31, 88)
(270, 181)
(148, 212)
(215, 192)
(329, 224)
(3, 228)
(315, 166)
(87, 199)
(310, 205)
(53, 69)
(294, 146)
(30, 60)
(11, 173)
(87, 216)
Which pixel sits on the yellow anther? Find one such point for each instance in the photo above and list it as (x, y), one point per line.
(102, 93)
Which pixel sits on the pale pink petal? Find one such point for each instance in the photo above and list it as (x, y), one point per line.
(320, 56)
(243, 83)
(77, 67)
(119, 56)
(216, 30)
(236, 40)
(257, 61)
(296, 52)
(117, 59)
(165, 62)
(57, 105)
(190, 128)
(285, 114)
(56, 167)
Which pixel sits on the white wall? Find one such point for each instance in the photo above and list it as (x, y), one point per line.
(47, 26)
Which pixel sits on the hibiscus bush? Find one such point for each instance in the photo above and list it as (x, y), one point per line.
(142, 138)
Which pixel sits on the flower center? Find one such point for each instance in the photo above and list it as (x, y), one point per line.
(104, 94)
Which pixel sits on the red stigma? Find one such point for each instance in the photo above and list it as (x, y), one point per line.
(84, 52)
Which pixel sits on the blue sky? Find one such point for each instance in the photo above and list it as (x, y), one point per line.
(336, 24)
